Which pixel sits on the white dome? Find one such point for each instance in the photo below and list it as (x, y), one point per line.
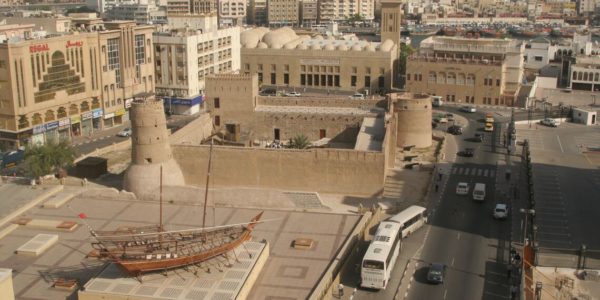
(356, 47)
(318, 37)
(250, 38)
(342, 47)
(329, 47)
(262, 45)
(302, 47)
(370, 48)
(386, 46)
(279, 37)
(315, 47)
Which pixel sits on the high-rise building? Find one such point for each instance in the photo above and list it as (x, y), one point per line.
(257, 12)
(178, 7)
(309, 12)
(72, 84)
(204, 6)
(283, 12)
(232, 12)
(334, 10)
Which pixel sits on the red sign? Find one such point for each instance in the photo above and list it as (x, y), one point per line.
(38, 48)
(74, 44)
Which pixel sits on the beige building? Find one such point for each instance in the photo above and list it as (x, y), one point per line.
(204, 6)
(257, 12)
(232, 12)
(282, 58)
(72, 84)
(178, 7)
(334, 10)
(283, 12)
(309, 12)
(183, 59)
(42, 22)
(461, 70)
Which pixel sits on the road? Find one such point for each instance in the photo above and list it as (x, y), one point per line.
(463, 234)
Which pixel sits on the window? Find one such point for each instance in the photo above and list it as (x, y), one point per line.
(407, 77)
(286, 78)
(538, 58)
(113, 58)
(367, 81)
(217, 103)
(432, 77)
(273, 78)
(353, 80)
(451, 79)
(302, 79)
(353, 70)
(260, 77)
(217, 121)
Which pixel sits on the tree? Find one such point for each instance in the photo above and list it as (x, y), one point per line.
(299, 142)
(405, 52)
(352, 19)
(50, 158)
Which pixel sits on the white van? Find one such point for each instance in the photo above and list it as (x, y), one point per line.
(436, 101)
(479, 192)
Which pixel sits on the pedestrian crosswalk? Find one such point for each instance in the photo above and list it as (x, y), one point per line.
(473, 171)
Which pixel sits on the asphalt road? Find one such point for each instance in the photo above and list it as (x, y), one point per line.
(463, 234)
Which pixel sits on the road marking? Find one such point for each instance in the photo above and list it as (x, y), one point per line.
(458, 236)
(452, 263)
(445, 293)
(560, 144)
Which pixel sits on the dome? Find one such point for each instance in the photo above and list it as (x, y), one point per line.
(276, 46)
(330, 38)
(250, 38)
(356, 47)
(370, 48)
(329, 47)
(294, 43)
(262, 45)
(279, 37)
(386, 46)
(315, 47)
(342, 47)
(318, 37)
(302, 47)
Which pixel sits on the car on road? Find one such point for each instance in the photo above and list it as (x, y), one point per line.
(436, 273)
(455, 130)
(489, 118)
(125, 132)
(268, 92)
(450, 117)
(500, 211)
(436, 101)
(468, 152)
(479, 137)
(293, 94)
(469, 109)
(357, 96)
(462, 188)
(489, 127)
(549, 122)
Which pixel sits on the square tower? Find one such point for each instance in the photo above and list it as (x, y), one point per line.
(391, 13)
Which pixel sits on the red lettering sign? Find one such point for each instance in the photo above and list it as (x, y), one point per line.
(74, 44)
(38, 48)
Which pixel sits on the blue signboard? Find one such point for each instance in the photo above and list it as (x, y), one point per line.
(39, 129)
(51, 125)
(97, 113)
(183, 101)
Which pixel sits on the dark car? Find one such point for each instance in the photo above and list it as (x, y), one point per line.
(450, 117)
(468, 152)
(436, 273)
(268, 92)
(455, 129)
(479, 137)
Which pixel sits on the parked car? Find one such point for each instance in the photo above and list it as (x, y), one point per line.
(479, 137)
(488, 127)
(450, 116)
(462, 188)
(436, 273)
(268, 92)
(549, 122)
(293, 94)
(357, 96)
(455, 130)
(469, 109)
(501, 211)
(489, 118)
(125, 132)
(468, 152)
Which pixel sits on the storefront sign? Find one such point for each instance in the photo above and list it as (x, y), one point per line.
(108, 116)
(120, 112)
(8, 135)
(25, 134)
(38, 48)
(39, 129)
(51, 125)
(87, 115)
(75, 119)
(97, 113)
(187, 102)
(74, 44)
(128, 102)
(64, 122)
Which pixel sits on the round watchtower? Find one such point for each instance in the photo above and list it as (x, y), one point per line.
(413, 112)
(150, 149)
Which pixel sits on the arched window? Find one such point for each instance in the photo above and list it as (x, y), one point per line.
(73, 110)
(432, 77)
(49, 116)
(451, 79)
(470, 79)
(441, 78)
(460, 79)
(579, 75)
(585, 76)
(597, 77)
(37, 119)
(23, 122)
(95, 103)
(574, 75)
(85, 106)
(62, 113)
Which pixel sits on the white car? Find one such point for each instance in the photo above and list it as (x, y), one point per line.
(500, 211)
(357, 96)
(549, 122)
(125, 132)
(462, 188)
(293, 94)
(469, 109)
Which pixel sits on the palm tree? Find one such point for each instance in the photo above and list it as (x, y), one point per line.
(50, 158)
(299, 142)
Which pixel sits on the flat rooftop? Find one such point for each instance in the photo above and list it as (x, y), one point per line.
(288, 272)
(319, 110)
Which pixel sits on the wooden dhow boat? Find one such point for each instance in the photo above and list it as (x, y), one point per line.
(138, 250)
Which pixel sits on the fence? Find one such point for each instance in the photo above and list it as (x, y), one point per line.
(581, 258)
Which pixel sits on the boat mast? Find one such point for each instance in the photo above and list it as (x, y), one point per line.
(207, 180)
(160, 228)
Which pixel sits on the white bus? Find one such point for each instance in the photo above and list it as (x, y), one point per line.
(380, 258)
(411, 219)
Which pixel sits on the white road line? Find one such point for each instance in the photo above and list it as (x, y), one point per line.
(560, 144)
(458, 236)
(452, 264)
(445, 293)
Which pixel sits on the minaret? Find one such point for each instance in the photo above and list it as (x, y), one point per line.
(150, 149)
(391, 14)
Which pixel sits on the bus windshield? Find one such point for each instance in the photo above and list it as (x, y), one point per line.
(373, 264)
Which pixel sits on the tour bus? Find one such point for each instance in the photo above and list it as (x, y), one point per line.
(380, 258)
(479, 192)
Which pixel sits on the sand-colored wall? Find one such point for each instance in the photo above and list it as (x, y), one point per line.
(347, 172)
